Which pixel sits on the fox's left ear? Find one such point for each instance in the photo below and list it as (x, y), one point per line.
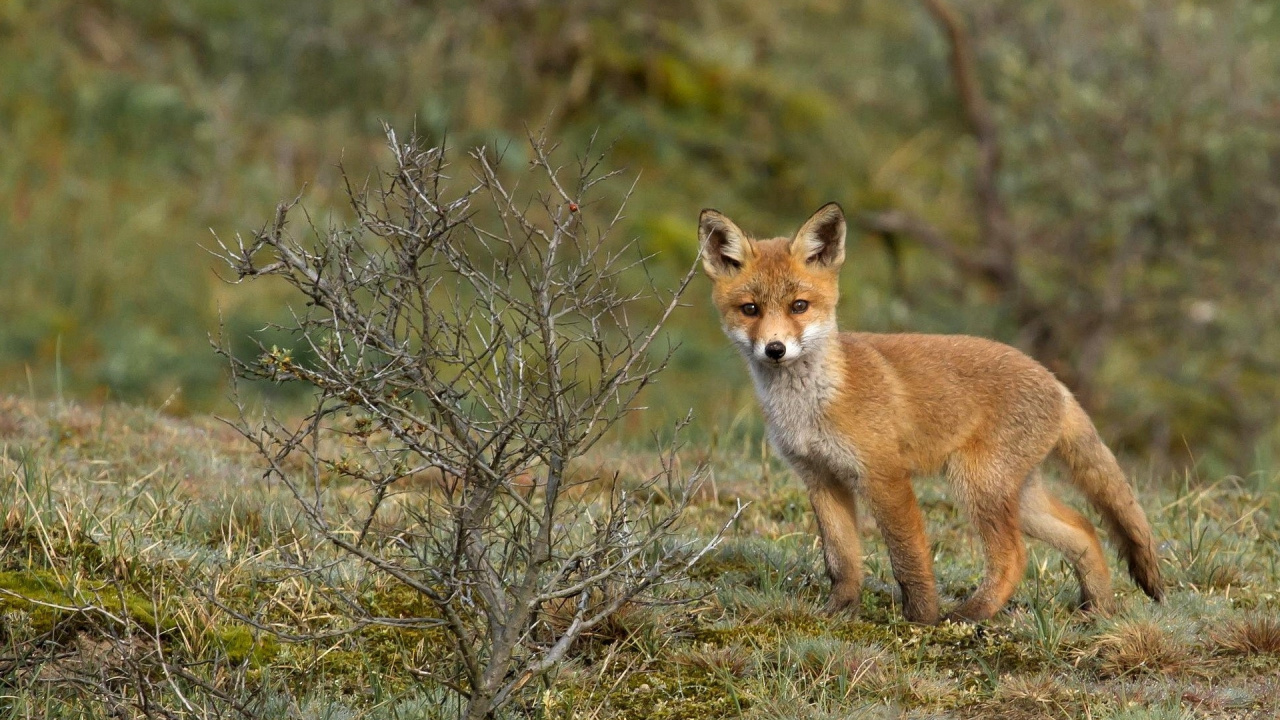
(723, 245)
(820, 240)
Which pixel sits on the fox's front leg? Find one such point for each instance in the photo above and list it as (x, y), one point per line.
(893, 505)
(837, 512)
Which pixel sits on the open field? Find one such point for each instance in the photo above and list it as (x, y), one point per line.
(1093, 183)
(121, 527)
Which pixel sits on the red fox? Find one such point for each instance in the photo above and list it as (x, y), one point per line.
(858, 414)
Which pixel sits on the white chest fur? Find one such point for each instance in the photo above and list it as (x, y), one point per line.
(795, 399)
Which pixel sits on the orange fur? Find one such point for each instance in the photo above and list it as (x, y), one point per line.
(862, 413)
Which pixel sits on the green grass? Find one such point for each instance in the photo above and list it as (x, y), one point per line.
(118, 518)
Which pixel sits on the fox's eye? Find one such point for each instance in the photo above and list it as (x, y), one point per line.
(799, 306)
(750, 309)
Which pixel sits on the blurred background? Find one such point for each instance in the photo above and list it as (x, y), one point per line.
(1097, 182)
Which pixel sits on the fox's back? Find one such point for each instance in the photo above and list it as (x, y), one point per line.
(954, 365)
(929, 394)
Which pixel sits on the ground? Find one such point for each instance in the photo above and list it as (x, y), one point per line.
(128, 534)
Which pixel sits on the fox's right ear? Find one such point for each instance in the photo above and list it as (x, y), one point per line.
(820, 240)
(723, 245)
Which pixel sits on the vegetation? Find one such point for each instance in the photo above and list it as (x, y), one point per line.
(1131, 195)
(472, 337)
(140, 516)
(1093, 182)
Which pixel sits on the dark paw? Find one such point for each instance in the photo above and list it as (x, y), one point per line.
(1096, 605)
(846, 600)
(921, 607)
(969, 612)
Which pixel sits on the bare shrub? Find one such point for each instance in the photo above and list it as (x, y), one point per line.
(469, 332)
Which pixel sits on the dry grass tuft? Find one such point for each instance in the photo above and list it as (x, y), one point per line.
(733, 660)
(1038, 696)
(823, 659)
(793, 611)
(771, 607)
(865, 664)
(1256, 635)
(923, 688)
(1141, 648)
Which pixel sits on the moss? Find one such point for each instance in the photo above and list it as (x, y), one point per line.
(345, 670)
(788, 506)
(970, 655)
(398, 647)
(374, 655)
(32, 585)
(54, 608)
(670, 691)
(32, 592)
(240, 644)
(399, 601)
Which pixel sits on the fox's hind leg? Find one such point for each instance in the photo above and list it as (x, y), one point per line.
(991, 493)
(1047, 518)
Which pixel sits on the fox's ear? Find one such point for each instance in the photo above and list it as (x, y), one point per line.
(724, 247)
(820, 240)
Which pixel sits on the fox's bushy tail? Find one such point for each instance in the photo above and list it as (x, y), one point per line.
(1096, 473)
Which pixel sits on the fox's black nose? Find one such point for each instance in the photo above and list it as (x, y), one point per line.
(775, 350)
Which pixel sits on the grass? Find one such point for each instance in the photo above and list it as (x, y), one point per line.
(117, 520)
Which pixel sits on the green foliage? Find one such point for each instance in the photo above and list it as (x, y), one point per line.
(1138, 150)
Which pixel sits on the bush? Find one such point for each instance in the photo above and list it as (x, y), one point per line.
(471, 342)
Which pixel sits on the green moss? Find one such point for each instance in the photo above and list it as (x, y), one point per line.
(33, 586)
(240, 644)
(765, 631)
(399, 601)
(373, 655)
(33, 592)
(665, 692)
(347, 670)
(56, 607)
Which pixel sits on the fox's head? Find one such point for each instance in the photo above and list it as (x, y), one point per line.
(777, 298)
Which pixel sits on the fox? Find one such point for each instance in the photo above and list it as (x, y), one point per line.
(858, 415)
